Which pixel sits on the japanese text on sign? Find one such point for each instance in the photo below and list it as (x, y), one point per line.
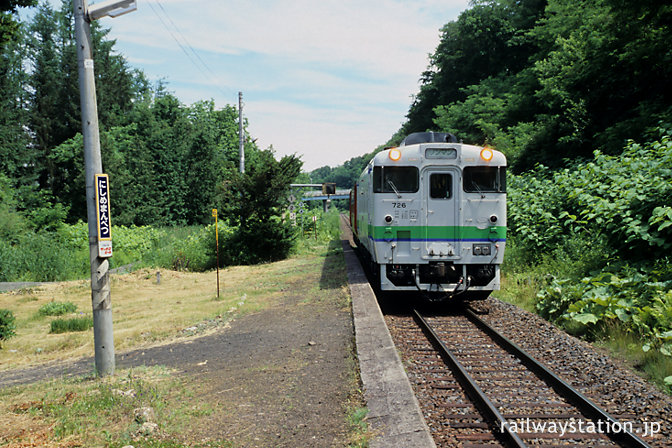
(103, 215)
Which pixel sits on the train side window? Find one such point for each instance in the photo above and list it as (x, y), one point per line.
(440, 186)
(484, 179)
(405, 179)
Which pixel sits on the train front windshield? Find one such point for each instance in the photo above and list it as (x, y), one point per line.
(395, 179)
(485, 179)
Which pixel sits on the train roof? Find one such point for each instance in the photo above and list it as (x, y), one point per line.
(438, 153)
(428, 137)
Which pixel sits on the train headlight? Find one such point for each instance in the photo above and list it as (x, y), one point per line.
(487, 154)
(395, 154)
(482, 249)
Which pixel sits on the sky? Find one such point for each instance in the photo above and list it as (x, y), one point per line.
(327, 80)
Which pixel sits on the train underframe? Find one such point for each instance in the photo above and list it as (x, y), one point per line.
(441, 278)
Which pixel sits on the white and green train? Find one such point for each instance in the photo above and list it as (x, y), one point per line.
(430, 215)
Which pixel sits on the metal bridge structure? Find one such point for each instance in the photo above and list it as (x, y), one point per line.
(326, 194)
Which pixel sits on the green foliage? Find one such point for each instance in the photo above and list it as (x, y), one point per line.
(634, 300)
(165, 159)
(7, 325)
(621, 199)
(254, 202)
(602, 223)
(57, 308)
(198, 252)
(344, 176)
(548, 80)
(11, 223)
(69, 325)
(41, 257)
(263, 241)
(8, 25)
(134, 243)
(487, 40)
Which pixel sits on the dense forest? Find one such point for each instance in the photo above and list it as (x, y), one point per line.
(169, 164)
(544, 81)
(166, 160)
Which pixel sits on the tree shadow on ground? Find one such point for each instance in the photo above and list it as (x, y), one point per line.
(333, 270)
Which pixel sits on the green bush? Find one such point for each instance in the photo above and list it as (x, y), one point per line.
(637, 299)
(600, 224)
(57, 308)
(41, 257)
(261, 241)
(73, 324)
(7, 325)
(63, 254)
(198, 252)
(624, 199)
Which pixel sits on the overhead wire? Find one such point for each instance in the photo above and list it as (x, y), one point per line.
(185, 46)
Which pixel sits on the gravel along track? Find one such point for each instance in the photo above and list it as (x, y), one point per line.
(535, 412)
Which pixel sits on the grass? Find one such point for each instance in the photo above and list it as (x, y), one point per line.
(69, 325)
(57, 308)
(627, 347)
(101, 413)
(359, 427)
(145, 312)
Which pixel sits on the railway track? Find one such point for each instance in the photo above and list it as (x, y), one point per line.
(478, 389)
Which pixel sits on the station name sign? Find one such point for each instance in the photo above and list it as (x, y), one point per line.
(102, 185)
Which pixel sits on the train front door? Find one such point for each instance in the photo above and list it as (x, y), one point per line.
(441, 229)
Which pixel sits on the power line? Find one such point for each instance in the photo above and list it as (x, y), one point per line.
(185, 46)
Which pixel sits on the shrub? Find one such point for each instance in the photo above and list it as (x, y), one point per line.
(57, 308)
(74, 324)
(7, 325)
(198, 251)
(624, 199)
(261, 241)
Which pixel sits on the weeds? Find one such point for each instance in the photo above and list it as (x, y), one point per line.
(74, 324)
(581, 244)
(7, 325)
(86, 412)
(57, 308)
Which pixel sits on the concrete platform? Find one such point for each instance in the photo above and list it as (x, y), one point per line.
(394, 413)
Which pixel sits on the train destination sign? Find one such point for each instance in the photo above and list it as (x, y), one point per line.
(102, 185)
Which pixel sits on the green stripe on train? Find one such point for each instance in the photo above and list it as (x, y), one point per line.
(437, 232)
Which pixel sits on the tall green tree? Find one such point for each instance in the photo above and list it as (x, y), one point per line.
(253, 201)
(53, 110)
(486, 40)
(16, 155)
(9, 26)
(45, 118)
(550, 80)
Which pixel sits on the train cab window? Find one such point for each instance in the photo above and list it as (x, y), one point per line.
(440, 186)
(484, 179)
(395, 179)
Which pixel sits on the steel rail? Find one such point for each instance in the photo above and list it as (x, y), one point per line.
(583, 403)
(471, 387)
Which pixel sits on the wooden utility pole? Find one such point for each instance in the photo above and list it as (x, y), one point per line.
(241, 137)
